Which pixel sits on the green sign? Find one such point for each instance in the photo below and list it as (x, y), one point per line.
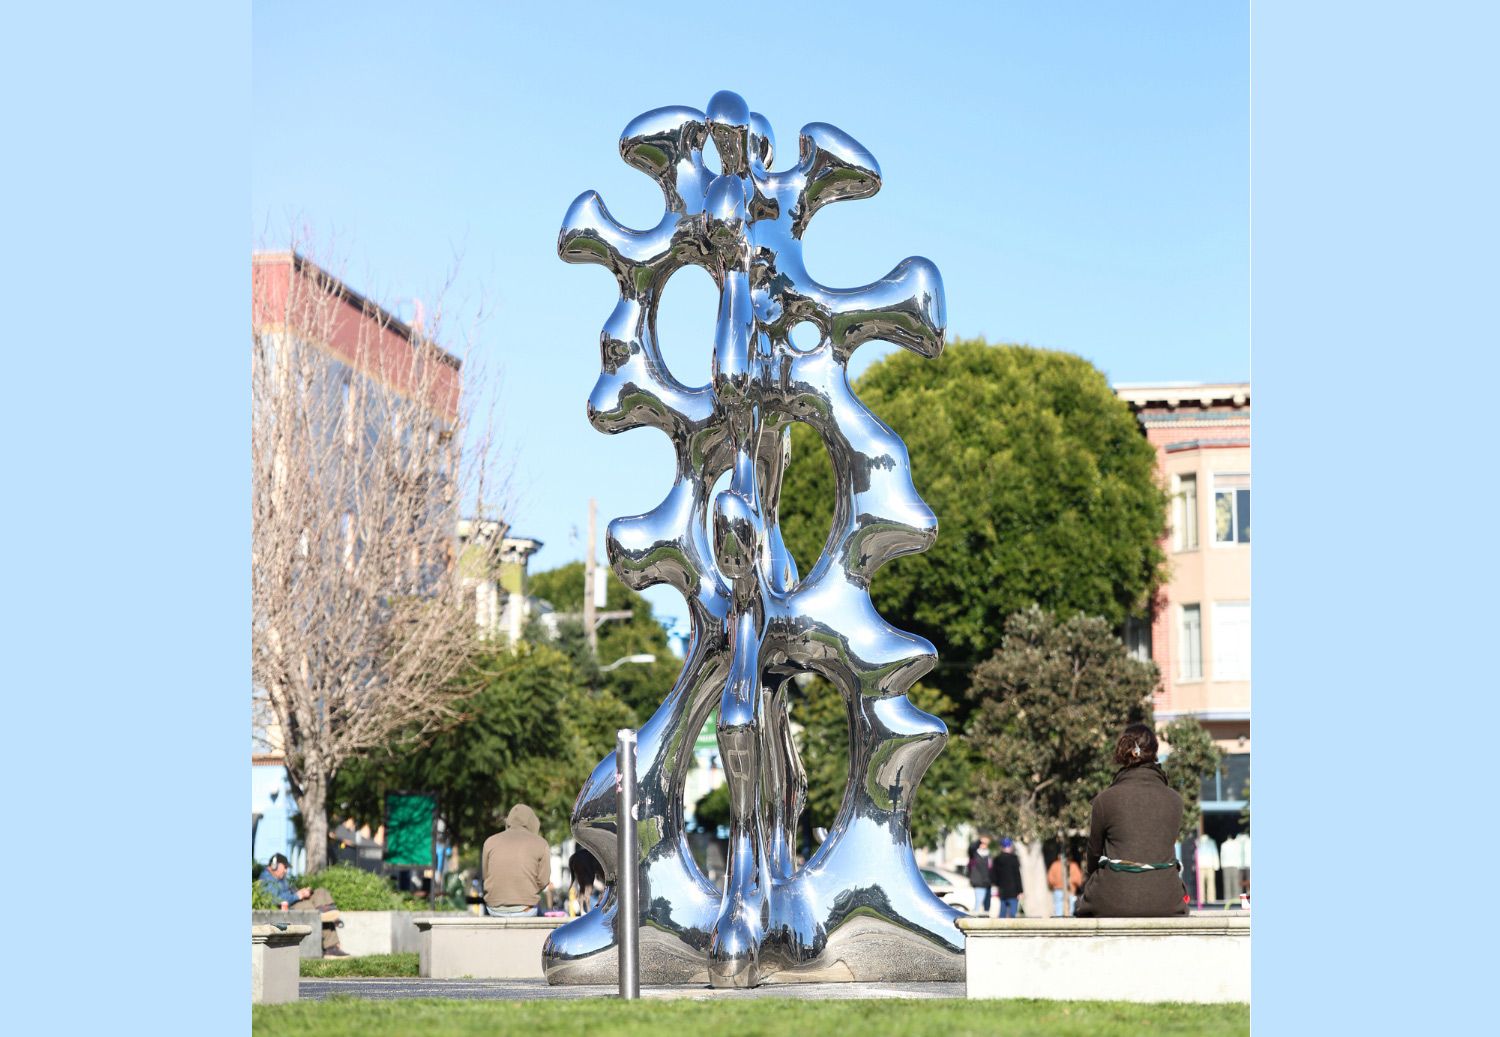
(708, 738)
(411, 829)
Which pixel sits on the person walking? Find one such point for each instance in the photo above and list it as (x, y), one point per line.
(979, 874)
(517, 865)
(1133, 828)
(584, 874)
(1055, 883)
(1006, 872)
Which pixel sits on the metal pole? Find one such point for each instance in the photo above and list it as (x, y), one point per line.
(627, 874)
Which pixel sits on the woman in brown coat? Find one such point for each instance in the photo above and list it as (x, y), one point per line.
(1132, 872)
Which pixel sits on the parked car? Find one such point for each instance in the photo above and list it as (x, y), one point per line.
(949, 886)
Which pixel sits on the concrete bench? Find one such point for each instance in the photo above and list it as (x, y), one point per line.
(312, 940)
(481, 947)
(275, 962)
(384, 932)
(1200, 958)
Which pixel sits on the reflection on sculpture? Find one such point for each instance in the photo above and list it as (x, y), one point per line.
(858, 909)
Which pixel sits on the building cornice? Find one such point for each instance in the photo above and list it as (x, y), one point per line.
(1177, 394)
(1206, 444)
(1204, 714)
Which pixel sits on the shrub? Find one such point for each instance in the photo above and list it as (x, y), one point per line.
(353, 889)
(260, 900)
(452, 897)
(412, 902)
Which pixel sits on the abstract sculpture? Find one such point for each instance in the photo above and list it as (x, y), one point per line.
(858, 909)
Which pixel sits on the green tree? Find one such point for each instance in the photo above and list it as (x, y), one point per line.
(1044, 487)
(530, 731)
(1050, 704)
(943, 798)
(712, 809)
(1193, 757)
(642, 687)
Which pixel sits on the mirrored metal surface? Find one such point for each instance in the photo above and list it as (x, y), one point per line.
(858, 909)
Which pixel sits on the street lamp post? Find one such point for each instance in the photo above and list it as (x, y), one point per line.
(645, 659)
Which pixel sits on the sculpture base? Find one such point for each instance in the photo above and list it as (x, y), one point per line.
(864, 950)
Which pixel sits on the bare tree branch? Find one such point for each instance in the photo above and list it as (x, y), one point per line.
(360, 471)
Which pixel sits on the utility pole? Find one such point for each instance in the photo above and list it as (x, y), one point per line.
(589, 622)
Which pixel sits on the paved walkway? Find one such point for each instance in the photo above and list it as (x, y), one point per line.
(538, 990)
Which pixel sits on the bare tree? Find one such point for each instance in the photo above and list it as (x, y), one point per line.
(357, 622)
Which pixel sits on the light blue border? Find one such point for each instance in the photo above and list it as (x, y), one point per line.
(126, 525)
(1374, 236)
(1374, 245)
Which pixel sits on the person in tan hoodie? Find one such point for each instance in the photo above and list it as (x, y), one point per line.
(517, 865)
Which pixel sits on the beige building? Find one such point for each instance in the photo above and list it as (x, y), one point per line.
(493, 567)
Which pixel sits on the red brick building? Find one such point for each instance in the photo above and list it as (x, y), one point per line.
(290, 293)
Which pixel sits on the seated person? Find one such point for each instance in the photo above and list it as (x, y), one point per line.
(517, 865)
(1132, 872)
(275, 882)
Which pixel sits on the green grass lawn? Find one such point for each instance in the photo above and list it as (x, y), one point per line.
(369, 965)
(773, 1017)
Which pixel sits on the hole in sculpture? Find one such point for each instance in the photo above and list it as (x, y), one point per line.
(820, 732)
(805, 506)
(711, 161)
(822, 716)
(685, 317)
(805, 510)
(720, 485)
(805, 337)
(705, 800)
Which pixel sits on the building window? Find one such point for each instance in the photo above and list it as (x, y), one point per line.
(1231, 640)
(1190, 643)
(1228, 785)
(1185, 514)
(1232, 509)
(1138, 638)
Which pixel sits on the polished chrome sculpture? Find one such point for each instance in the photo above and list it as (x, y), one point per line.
(858, 909)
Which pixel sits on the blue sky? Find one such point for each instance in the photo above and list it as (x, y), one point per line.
(1079, 173)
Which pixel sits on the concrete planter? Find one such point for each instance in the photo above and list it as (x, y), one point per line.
(365, 932)
(274, 962)
(312, 938)
(1198, 958)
